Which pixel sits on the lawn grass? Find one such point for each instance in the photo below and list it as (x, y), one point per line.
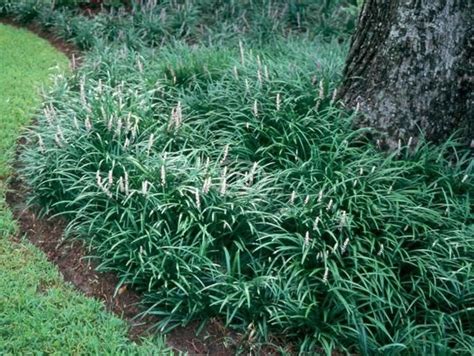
(39, 312)
(21, 72)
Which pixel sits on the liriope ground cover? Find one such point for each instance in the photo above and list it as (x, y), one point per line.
(196, 21)
(236, 189)
(223, 180)
(39, 313)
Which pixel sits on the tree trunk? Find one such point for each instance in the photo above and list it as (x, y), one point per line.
(410, 68)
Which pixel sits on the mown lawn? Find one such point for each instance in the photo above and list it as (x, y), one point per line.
(38, 311)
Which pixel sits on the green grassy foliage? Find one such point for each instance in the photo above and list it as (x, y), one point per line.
(19, 94)
(38, 311)
(40, 314)
(204, 21)
(221, 179)
(19, 83)
(230, 186)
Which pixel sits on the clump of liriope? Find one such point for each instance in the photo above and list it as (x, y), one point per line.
(228, 183)
(153, 23)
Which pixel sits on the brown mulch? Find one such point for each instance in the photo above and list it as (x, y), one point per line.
(70, 256)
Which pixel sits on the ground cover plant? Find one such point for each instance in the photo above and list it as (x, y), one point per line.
(202, 21)
(38, 311)
(215, 173)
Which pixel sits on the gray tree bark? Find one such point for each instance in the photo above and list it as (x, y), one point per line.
(410, 68)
